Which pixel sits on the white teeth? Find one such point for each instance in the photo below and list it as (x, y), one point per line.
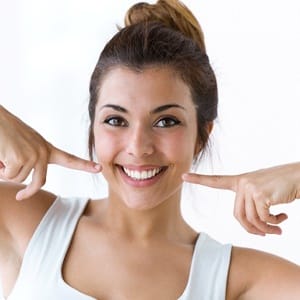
(142, 175)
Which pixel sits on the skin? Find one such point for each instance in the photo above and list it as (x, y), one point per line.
(138, 231)
(256, 192)
(24, 150)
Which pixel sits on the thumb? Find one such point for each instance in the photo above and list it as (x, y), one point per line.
(65, 159)
(227, 182)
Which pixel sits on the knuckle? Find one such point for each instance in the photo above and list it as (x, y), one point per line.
(16, 162)
(248, 228)
(29, 165)
(42, 151)
(253, 219)
(252, 229)
(239, 215)
(243, 182)
(32, 158)
(13, 162)
(10, 174)
(264, 219)
(258, 195)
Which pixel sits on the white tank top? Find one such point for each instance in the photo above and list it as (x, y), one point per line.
(40, 276)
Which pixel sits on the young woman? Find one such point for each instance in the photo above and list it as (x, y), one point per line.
(153, 100)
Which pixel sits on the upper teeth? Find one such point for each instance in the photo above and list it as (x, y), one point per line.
(141, 175)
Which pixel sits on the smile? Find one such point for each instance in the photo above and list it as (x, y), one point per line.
(142, 174)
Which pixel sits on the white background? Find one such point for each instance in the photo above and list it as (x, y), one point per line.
(49, 48)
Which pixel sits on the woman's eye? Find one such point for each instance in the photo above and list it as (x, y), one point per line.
(167, 122)
(116, 121)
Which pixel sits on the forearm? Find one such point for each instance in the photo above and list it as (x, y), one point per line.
(295, 171)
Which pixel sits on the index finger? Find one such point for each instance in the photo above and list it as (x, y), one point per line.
(71, 161)
(226, 182)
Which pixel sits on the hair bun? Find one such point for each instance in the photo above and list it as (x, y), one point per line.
(171, 13)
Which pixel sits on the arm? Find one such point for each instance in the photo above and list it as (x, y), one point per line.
(258, 275)
(18, 221)
(23, 150)
(256, 192)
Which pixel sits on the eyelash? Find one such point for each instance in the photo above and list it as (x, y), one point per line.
(174, 121)
(120, 122)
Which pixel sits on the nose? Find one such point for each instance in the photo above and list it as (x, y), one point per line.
(140, 142)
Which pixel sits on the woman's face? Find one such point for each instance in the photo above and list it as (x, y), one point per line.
(145, 135)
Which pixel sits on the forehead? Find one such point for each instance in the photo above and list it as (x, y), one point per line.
(149, 87)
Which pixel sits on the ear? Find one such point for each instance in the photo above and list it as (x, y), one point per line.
(199, 144)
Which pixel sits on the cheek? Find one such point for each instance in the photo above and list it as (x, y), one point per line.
(181, 147)
(105, 146)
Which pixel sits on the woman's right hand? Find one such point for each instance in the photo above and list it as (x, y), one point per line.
(23, 150)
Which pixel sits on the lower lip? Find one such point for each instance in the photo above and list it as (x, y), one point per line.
(140, 183)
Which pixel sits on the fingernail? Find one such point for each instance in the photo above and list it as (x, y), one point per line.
(97, 167)
(184, 176)
(18, 197)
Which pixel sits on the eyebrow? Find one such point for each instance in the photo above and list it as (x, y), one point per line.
(166, 107)
(154, 111)
(115, 107)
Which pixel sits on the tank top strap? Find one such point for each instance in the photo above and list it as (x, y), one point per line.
(45, 253)
(209, 270)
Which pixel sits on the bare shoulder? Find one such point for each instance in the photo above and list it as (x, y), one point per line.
(256, 274)
(19, 219)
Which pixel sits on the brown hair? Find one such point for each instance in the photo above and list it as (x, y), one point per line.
(164, 34)
(171, 13)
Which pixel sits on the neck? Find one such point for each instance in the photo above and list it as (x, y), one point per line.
(163, 221)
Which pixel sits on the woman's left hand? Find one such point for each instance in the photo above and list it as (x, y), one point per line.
(256, 192)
